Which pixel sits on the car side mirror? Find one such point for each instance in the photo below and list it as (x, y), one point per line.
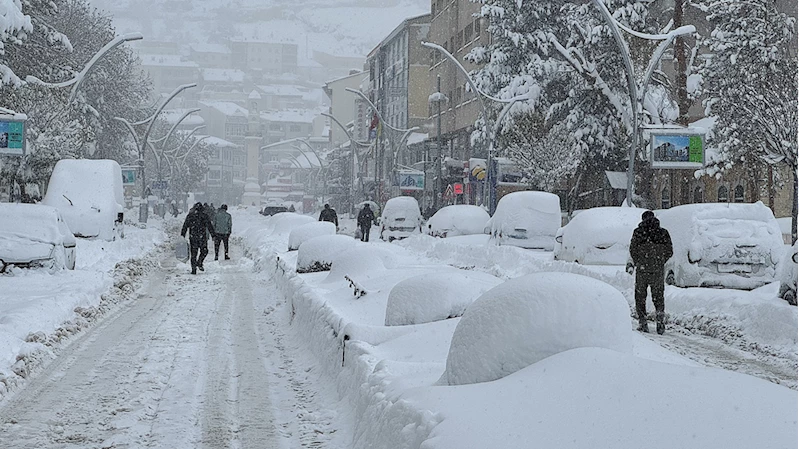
(794, 258)
(559, 239)
(120, 217)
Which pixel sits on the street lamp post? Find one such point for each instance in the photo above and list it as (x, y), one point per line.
(487, 194)
(637, 99)
(353, 144)
(384, 122)
(78, 79)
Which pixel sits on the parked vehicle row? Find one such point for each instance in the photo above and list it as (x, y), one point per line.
(715, 245)
(84, 198)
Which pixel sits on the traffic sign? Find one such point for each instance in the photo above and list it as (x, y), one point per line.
(160, 185)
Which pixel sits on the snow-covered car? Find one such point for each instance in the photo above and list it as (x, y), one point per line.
(458, 219)
(787, 276)
(526, 219)
(88, 193)
(33, 235)
(401, 218)
(598, 236)
(722, 245)
(270, 210)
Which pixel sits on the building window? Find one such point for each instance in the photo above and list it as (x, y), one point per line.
(477, 26)
(699, 195)
(665, 198)
(739, 194)
(432, 8)
(213, 174)
(214, 154)
(723, 197)
(468, 31)
(295, 128)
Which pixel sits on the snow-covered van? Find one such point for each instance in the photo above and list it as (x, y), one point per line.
(89, 195)
(722, 245)
(527, 219)
(400, 218)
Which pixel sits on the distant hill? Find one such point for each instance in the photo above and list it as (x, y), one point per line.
(340, 27)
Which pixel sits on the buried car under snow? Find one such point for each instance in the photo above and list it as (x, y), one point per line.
(526, 219)
(400, 218)
(722, 245)
(458, 219)
(32, 235)
(598, 236)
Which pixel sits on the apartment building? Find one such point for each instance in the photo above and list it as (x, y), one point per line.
(268, 57)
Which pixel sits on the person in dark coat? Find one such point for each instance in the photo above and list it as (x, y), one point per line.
(365, 219)
(199, 228)
(650, 248)
(329, 214)
(223, 225)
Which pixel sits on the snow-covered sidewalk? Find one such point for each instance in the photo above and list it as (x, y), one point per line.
(39, 309)
(391, 376)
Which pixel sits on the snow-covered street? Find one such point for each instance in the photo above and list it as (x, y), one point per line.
(191, 362)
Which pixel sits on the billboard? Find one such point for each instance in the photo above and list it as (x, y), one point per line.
(128, 176)
(677, 148)
(410, 180)
(12, 137)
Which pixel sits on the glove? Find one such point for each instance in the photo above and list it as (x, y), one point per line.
(630, 268)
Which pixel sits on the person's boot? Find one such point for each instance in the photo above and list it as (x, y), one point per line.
(643, 326)
(661, 322)
(193, 270)
(216, 257)
(226, 257)
(202, 268)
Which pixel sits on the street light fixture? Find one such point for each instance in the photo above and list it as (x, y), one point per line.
(632, 86)
(353, 144)
(487, 197)
(78, 79)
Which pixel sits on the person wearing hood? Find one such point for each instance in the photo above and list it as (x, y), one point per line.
(199, 227)
(329, 214)
(650, 248)
(365, 219)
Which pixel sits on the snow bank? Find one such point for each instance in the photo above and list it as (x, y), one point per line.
(360, 261)
(599, 236)
(308, 231)
(598, 398)
(285, 222)
(533, 317)
(458, 219)
(317, 254)
(435, 296)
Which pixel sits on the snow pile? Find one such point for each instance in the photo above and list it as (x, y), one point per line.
(527, 219)
(317, 254)
(308, 231)
(360, 261)
(435, 296)
(89, 195)
(458, 219)
(599, 236)
(527, 319)
(284, 222)
(598, 398)
(730, 245)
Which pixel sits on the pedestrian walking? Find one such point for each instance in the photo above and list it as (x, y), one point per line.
(199, 228)
(365, 219)
(223, 225)
(329, 214)
(650, 248)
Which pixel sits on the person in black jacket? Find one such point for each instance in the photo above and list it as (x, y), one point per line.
(650, 248)
(365, 219)
(199, 227)
(329, 214)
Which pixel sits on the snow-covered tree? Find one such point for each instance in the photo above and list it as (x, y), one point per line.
(750, 83)
(566, 52)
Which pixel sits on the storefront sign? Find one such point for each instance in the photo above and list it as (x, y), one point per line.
(411, 180)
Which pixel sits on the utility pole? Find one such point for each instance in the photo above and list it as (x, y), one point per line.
(437, 164)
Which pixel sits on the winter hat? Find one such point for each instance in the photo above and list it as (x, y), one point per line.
(647, 215)
(224, 206)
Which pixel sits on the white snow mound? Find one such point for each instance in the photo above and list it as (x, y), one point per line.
(437, 296)
(317, 254)
(284, 222)
(530, 318)
(359, 262)
(309, 231)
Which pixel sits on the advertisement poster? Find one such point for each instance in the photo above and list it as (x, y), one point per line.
(677, 149)
(411, 180)
(12, 137)
(128, 177)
